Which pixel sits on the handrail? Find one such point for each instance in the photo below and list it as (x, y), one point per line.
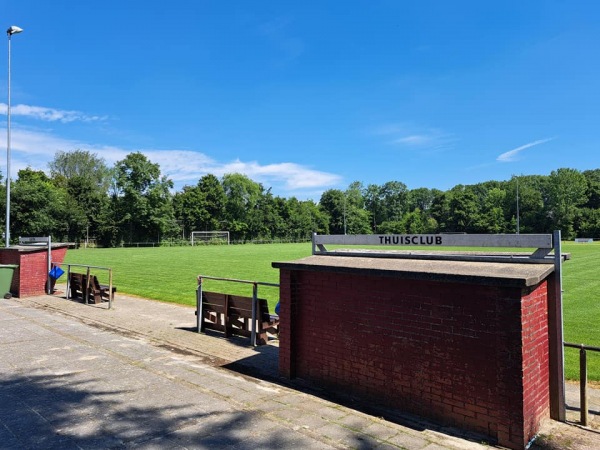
(583, 408)
(88, 267)
(254, 284)
(260, 283)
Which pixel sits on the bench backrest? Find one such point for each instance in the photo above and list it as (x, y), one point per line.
(94, 283)
(242, 306)
(234, 305)
(233, 315)
(76, 280)
(239, 306)
(214, 302)
(76, 284)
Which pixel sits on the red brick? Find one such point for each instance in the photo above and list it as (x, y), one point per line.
(472, 356)
(30, 278)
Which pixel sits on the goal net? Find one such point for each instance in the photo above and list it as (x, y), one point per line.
(210, 237)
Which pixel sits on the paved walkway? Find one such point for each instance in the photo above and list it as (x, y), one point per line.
(77, 376)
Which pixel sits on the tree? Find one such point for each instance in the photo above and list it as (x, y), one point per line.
(422, 198)
(492, 215)
(567, 190)
(414, 222)
(37, 206)
(214, 201)
(82, 164)
(133, 201)
(86, 206)
(532, 215)
(333, 204)
(142, 204)
(357, 217)
(374, 204)
(587, 223)
(242, 196)
(593, 188)
(306, 217)
(201, 207)
(86, 178)
(463, 210)
(394, 195)
(440, 211)
(189, 207)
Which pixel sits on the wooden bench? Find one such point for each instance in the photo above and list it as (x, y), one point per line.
(99, 292)
(232, 314)
(80, 288)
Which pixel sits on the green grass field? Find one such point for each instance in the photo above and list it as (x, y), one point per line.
(581, 306)
(169, 274)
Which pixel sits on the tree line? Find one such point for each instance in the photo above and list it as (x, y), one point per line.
(82, 198)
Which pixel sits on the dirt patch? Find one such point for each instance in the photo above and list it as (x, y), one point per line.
(566, 436)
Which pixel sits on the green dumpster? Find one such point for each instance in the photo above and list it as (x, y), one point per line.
(6, 276)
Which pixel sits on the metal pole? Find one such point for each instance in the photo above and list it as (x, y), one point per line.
(199, 317)
(86, 294)
(254, 308)
(68, 296)
(11, 30)
(7, 233)
(556, 333)
(583, 386)
(518, 218)
(48, 281)
(110, 289)
(344, 213)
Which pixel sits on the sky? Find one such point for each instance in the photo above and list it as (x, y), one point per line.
(305, 96)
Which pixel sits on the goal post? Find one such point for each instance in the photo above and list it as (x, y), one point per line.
(209, 237)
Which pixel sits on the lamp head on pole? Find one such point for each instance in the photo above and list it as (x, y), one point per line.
(14, 30)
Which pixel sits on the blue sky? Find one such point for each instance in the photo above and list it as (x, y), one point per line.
(305, 96)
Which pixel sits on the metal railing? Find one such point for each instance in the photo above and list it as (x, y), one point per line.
(110, 285)
(583, 375)
(255, 284)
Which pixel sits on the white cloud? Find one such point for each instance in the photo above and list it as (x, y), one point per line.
(186, 167)
(35, 149)
(414, 136)
(415, 139)
(511, 155)
(49, 114)
(293, 176)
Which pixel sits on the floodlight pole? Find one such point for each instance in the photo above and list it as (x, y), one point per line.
(344, 213)
(518, 218)
(12, 30)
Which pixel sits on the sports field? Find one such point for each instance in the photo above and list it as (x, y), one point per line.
(169, 274)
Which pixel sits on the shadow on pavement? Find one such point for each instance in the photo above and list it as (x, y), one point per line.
(62, 412)
(264, 366)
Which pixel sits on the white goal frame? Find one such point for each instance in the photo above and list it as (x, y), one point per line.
(208, 236)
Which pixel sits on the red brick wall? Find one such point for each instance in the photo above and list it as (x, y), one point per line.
(30, 278)
(536, 377)
(456, 353)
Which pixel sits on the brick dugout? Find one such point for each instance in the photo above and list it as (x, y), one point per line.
(31, 276)
(463, 343)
